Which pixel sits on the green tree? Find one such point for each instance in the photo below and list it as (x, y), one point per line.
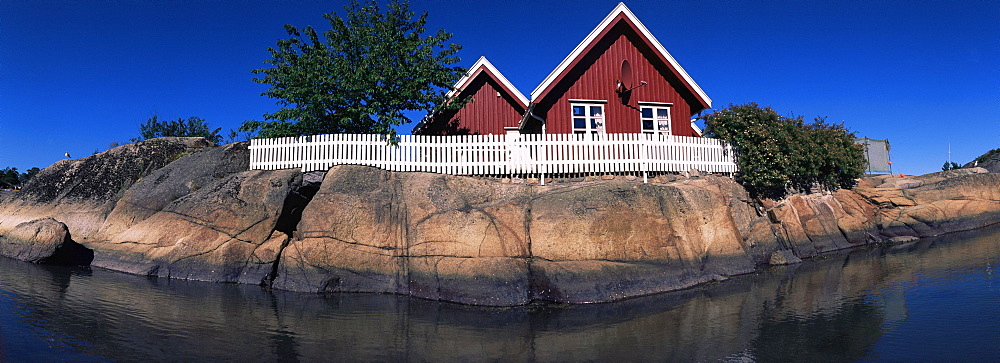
(950, 165)
(9, 178)
(27, 175)
(369, 68)
(777, 154)
(193, 126)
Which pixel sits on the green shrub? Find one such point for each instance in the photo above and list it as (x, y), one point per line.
(778, 154)
(193, 126)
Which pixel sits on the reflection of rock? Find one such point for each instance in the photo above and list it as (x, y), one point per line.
(44, 241)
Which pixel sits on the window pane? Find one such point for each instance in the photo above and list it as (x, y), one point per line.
(579, 123)
(662, 113)
(579, 111)
(647, 112)
(597, 111)
(664, 125)
(647, 124)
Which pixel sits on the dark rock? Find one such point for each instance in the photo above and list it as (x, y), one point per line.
(297, 200)
(45, 241)
(903, 239)
(81, 193)
(784, 257)
(189, 173)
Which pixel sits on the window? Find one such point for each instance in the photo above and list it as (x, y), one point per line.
(588, 118)
(655, 118)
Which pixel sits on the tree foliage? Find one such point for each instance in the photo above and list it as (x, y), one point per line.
(10, 178)
(777, 154)
(193, 126)
(361, 77)
(950, 165)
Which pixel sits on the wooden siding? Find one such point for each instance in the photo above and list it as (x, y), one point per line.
(486, 114)
(594, 78)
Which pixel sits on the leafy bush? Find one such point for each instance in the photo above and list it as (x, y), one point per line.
(950, 165)
(778, 154)
(192, 127)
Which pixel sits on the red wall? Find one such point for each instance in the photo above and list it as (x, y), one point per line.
(485, 114)
(595, 76)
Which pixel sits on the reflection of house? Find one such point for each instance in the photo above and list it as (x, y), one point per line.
(619, 79)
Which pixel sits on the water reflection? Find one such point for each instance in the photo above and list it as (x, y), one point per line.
(857, 306)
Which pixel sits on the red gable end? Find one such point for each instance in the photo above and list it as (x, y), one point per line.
(494, 104)
(620, 49)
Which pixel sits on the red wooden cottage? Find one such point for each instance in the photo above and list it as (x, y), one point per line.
(619, 79)
(493, 104)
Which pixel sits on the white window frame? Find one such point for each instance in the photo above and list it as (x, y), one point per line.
(661, 126)
(594, 122)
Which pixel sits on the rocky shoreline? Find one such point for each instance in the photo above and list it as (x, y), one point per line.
(180, 208)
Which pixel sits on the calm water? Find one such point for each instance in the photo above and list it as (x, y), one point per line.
(935, 300)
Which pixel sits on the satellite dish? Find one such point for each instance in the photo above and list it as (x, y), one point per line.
(625, 77)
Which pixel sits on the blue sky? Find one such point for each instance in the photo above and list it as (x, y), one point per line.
(76, 76)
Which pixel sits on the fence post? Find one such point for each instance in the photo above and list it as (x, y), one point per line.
(507, 154)
(731, 158)
(644, 158)
(542, 156)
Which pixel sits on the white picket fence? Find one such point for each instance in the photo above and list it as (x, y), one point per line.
(496, 155)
